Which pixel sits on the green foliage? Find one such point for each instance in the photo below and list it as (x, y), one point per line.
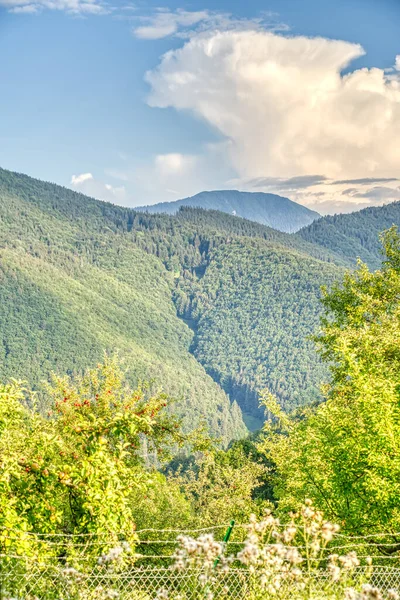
(79, 276)
(161, 504)
(345, 453)
(249, 448)
(222, 485)
(354, 235)
(81, 470)
(256, 307)
(74, 283)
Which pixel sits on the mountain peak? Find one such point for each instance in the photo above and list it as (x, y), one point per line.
(269, 209)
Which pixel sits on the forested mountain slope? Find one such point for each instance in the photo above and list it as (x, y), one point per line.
(217, 222)
(80, 276)
(72, 286)
(254, 310)
(354, 235)
(269, 209)
(251, 295)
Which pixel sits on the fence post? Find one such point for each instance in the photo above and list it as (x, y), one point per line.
(226, 539)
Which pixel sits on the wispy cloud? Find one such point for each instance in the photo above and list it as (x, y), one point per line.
(73, 7)
(89, 185)
(379, 193)
(291, 183)
(325, 195)
(163, 23)
(364, 181)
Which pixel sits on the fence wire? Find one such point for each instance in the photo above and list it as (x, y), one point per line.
(67, 568)
(46, 582)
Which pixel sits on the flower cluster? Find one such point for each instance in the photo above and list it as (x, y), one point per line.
(270, 558)
(162, 595)
(287, 561)
(279, 557)
(101, 593)
(205, 555)
(115, 555)
(198, 554)
(338, 565)
(72, 575)
(111, 594)
(368, 592)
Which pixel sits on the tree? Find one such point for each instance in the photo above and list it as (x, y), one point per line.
(223, 485)
(345, 453)
(80, 470)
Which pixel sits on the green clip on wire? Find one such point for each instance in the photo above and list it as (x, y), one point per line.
(226, 540)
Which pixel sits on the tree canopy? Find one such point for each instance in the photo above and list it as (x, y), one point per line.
(345, 453)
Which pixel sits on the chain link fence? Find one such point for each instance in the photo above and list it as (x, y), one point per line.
(24, 579)
(68, 569)
(47, 582)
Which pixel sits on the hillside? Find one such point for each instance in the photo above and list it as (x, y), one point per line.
(251, 295)
(185, 299)
(254, 311)
(268, 209)
(355, 234)
(72, 286)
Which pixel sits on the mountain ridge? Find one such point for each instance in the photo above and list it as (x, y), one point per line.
(74, 285)
(353, 235)
(80, 276)
(272, 210)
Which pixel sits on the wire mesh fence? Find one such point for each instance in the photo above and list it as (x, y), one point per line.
(47, 582)
(68, 568)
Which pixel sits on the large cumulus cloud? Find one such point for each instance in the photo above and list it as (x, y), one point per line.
(283, 106)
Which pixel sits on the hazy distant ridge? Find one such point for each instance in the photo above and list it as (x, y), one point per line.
(269, 209)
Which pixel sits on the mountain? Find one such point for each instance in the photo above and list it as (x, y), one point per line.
(251, 296)
(254, 310)
(74, 284)
(211, 307)
(269, 209)
(354, 235)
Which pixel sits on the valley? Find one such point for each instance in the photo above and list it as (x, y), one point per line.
(216, 306)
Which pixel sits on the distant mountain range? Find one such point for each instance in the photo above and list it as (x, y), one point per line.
(269, 209)
(211, 307)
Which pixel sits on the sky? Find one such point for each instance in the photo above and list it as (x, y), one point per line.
(142, 102)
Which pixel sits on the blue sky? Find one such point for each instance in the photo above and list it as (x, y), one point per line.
(247, 98)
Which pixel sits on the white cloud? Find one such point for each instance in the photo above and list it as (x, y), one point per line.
(325, 195)
(87, 184)
(284, 107)
(173, 175)
(74, 7)
(28, 8)
(169, 176)
(165, 22)
(170, 164)
(77, 180)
